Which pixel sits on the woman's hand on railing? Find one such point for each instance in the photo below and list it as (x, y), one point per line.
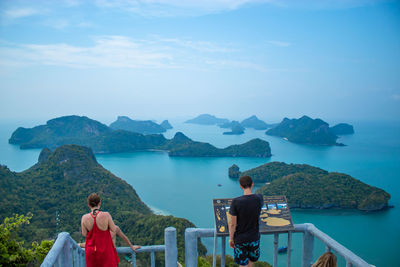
(134, 248)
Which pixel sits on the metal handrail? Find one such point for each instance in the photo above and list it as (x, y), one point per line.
(309, 232)
(66, 252)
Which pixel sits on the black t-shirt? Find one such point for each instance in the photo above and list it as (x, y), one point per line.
(247, 208)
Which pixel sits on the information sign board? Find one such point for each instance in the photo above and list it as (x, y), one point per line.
(275, 215)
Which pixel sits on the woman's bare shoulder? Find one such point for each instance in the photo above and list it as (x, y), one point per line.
(105, 213)
(85, 216)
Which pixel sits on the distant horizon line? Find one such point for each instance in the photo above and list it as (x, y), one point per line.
(39, 120)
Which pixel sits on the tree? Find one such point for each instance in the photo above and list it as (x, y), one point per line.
(12, 251)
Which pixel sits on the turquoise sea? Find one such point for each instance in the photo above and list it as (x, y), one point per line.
(185, 187)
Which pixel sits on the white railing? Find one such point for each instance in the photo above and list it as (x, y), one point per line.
(66, 252)
(309, 232)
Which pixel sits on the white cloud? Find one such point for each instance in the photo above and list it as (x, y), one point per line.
(62, 23)
(202, 46)
(108, 51)
(117, 51)
(17, 13)
(279, 43)
(123, 52)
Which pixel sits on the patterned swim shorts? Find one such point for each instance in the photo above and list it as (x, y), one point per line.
(244, 252)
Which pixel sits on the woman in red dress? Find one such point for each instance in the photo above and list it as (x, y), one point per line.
(96, 226)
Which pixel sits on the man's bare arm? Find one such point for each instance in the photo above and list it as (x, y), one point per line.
(232, 229)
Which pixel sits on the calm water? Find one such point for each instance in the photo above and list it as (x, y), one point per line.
(185, 187)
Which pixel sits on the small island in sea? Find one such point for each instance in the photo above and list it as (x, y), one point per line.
(102, 139)
(308, 187)
(236, 128)
(207, 119)
(305, 131)
(182, 146)
(228, 124)
(166, 125)
(255, 123)
(342, 128)
(60, 182)
(137, 126)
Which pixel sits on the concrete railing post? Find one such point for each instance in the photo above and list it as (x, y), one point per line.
(308, 247)
(223, 246)
(67, 249)
(171, 250)
(276, 238)
(59, 252)
(190, 247)
(289, 251)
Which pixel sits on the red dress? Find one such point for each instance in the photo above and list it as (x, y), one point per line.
(99, 248)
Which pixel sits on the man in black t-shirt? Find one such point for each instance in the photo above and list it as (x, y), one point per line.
(244, 234)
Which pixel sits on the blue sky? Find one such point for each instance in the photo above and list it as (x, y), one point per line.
(156, 59)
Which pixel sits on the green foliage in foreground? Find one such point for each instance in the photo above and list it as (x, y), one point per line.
(12, 251)
(60, 183)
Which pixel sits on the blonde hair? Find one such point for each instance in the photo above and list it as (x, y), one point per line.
(328, 259)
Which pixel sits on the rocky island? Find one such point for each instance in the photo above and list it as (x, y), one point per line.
(60, 183)
(102, 139)
(136, 126)
(342, 128)
(228, 124)
(236, 128)
(182, 146)
(305, 131)
(306, 186)
(207, 119)
(166, 125)
(255, 123)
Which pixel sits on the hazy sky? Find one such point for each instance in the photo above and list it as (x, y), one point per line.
(156, 59)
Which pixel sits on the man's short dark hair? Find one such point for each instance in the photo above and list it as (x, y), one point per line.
(246, 181)
(93, 200)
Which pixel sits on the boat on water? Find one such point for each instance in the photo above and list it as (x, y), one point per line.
(282, 249)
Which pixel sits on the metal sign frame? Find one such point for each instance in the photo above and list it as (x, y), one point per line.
(275, 218)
